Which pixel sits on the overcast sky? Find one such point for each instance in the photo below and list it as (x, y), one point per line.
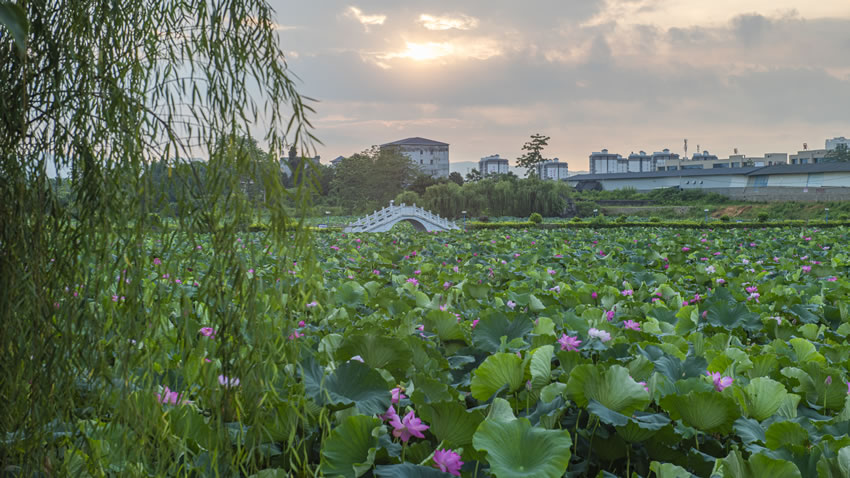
(626, 75)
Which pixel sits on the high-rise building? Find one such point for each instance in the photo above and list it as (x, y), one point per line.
(553, 169)
(833, 143)
(493, 165)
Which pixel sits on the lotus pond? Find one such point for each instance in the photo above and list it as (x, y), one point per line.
(623, 352)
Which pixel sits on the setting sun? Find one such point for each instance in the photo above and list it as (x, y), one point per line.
(426, 51)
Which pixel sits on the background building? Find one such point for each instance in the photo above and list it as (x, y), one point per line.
(809, 156)
(604, 162)
(640, 162)
(807, 182)
(493, 165)
(553, 169)
(431, 156)
(710, 161)
(833, 143)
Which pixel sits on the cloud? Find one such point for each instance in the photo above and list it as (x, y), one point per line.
(365, 20)
(459, 22)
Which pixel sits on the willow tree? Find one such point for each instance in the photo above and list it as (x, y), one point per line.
(92, 94)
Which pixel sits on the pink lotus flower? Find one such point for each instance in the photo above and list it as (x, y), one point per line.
(631, 325)
(599, 334)
(832, 279)
(644, 386)
(475, 322)
(686, 249)
(336, 248)
(228, 382)
(295, 335)
(389, 415)
(312, 304)
(157, 261)
(568, 343)
(447, 461)
(610, 315)
(358, 358)
(511, 304)
(720, 382)
(408, 426)
(207, 332)
(594, 295)
(413, 281)
(396, 395)
(752, 289)
(169, 397)
(807, 268)
(627, 292)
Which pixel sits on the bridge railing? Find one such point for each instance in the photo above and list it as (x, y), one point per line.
(393, 212)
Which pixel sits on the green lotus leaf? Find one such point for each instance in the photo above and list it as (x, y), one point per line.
(494, 373)
(844, 460)
(749, 430)
(764, 397)
(806, 351)
(758, 466)
(733, 316)
(613, 388)
(444, 325)
(668, 470)
(451, 422)
(407, 470)
(710, 412)
(785, 434)
(516, 449)
(349, 450)
(376, 351)
(551, 391)
(541, 366)
(350, 294)
(352, 383)
(487, 335)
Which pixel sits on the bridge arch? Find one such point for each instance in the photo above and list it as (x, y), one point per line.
(386, 218)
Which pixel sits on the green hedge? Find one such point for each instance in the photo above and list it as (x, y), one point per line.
(670, 224)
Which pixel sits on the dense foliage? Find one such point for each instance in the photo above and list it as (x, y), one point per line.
(503, 354)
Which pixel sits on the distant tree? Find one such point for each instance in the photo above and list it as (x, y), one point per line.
(841, 154)
(455, 177)
(473, 176)
(370, 179)
(533, 153)
(422, 182)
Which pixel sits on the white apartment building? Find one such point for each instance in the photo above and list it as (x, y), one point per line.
(431, 156)
(833, 143)
(489, 165)
(610, 163)
(553, 170)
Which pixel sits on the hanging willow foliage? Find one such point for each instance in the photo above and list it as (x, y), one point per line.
(97, 92)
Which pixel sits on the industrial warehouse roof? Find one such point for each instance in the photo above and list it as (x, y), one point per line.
(765, 170)
(417, 141)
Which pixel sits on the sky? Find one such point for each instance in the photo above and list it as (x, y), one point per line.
(625, 75)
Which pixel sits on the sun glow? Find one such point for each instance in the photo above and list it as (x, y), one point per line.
(426, 51)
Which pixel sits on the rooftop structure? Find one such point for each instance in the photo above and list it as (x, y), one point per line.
(833, 143)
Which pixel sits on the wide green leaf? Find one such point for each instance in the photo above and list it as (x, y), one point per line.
(349, 450)
(376, 351)
(407, 470)
(764, 397)
(497, 371)
(612, 387)
(451, 422)
(710, 412)
(668, 470)
(541, 366)
(352, 383)
(487, 335)
(516, 449)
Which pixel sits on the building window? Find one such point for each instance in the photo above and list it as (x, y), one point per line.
(421, 152)
(804, 161)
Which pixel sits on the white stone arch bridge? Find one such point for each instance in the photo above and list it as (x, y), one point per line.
(386, 218)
